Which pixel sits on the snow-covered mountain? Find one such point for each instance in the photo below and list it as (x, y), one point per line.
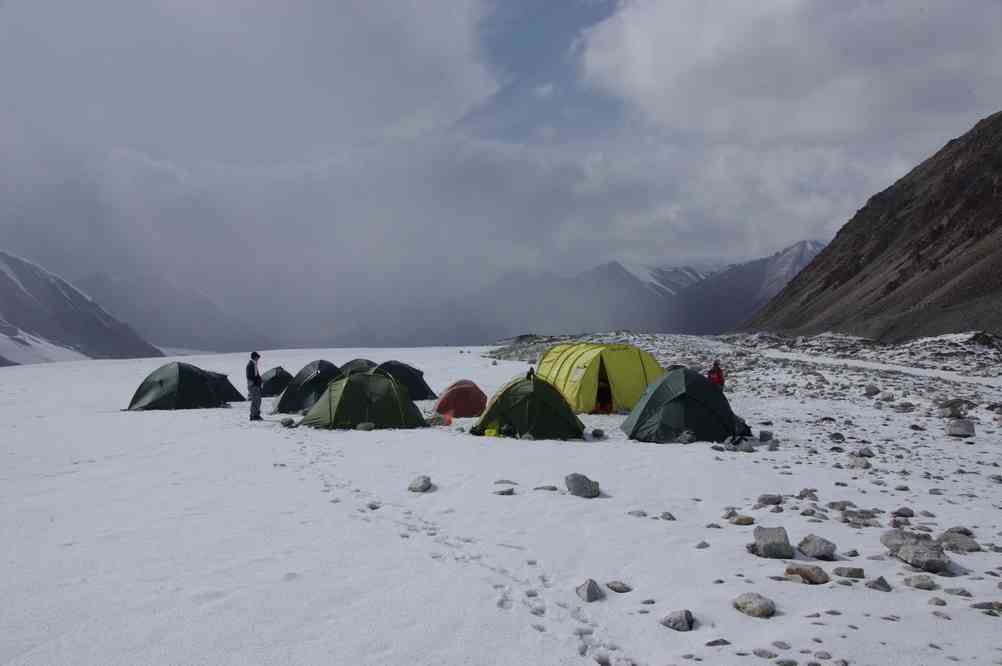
(45, 318)
(614, 295)
(785, 265)
(725, 300)
(665, 280)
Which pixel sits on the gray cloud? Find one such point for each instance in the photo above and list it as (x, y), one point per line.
(330, 160)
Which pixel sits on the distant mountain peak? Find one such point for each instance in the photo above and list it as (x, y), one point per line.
(43, 317)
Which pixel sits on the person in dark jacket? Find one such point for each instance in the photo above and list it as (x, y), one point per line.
(716, 375)
(254, 387)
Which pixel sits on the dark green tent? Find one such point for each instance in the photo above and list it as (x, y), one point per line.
(357, 365)
(183, 386)
(408, 376)
(307, 387)
(683, 400)
(364, 398)
(274, 382)
(529, 406)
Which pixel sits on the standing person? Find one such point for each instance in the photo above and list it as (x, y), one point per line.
(254, 387)
(716, 375)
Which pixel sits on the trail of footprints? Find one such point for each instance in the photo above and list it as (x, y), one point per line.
(529, 590)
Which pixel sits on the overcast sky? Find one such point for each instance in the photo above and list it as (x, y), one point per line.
(346, 154)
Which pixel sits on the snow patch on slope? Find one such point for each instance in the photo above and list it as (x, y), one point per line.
(784, 266)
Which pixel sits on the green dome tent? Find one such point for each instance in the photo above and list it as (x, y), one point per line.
(183, 386)
(683, 400)
(274, 382)
(408, 376)
(307, 387)
(529, 405)
(357, 365)
(364, 398)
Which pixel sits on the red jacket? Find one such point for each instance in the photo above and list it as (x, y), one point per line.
(716, 376)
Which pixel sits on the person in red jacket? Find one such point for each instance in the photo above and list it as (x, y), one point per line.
(716, 375)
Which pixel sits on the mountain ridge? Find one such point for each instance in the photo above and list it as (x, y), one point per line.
(44, 317)
(918, 259)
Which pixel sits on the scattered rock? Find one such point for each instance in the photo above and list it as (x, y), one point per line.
(680, 620)
(366, 426)
(771, 542)
(420, 484)
(810, 574)
(589, 591)
(505, 491)
(849, 572)
(921, 582)
(618, 586)
(551, 489)
(755, 605)
(960, 428)
(580, 485)
(598, 433)
(667, 515)
(959, 540)
(743, 520)
(765, 436)
(769, 499)
(918, 550)
(817, 547)
(879, 584)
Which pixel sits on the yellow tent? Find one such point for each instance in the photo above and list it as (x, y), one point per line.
(599, 378)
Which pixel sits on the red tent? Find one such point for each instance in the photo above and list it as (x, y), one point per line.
(464, 399)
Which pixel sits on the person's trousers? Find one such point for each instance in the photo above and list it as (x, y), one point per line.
(254, 394)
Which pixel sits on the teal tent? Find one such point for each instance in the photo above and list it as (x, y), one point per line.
(683, 400)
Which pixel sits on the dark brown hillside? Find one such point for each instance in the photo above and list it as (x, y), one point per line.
(923, 257)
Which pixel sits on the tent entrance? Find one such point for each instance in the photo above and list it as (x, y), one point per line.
(603, 394)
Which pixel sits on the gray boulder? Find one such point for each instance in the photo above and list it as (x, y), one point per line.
(959, 540)
(960, 428)
(879, 584)
(589, 591)
(580, 485)
(755, 605)
(849, 572)
(921, 582)
(817, 547)
(769, 499)
(771, 542)
(618, 586)
(420, 484)
(918, 550)
(680, 620)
